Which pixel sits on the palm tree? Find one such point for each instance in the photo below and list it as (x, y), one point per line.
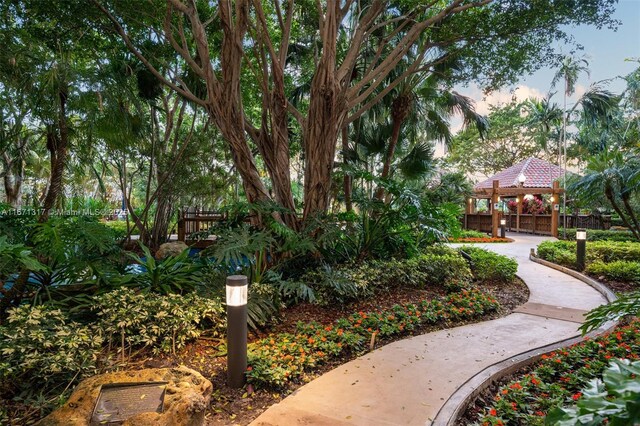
(617, 175)
(422, 105)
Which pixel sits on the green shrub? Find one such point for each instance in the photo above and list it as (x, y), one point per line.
(40, 344)
(600, 235)
(436, 266)
(620, 270)
(560, 252)
(611, 251)
(490, 266)
(164, 323)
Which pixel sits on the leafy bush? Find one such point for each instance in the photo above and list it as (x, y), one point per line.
(41, 344)
(620, 270)
(559, 379)
(612, 400)
(15, 256)
(173, 274)
(599, 235)
(560, 252)
(278, 359)
(490, 266)
(164, 323)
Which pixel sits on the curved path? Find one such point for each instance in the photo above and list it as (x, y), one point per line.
(406, 382)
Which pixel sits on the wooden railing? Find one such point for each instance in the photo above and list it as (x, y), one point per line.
(536, 223)
(193, 221)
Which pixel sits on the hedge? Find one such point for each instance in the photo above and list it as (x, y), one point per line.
(620, 270)
(490, 266)
(599, 235)
(564, 252)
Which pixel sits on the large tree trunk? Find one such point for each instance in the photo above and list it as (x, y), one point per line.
(326, 116)
(13, 187)
(273, 144)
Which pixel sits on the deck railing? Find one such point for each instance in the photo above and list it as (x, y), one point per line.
(536, 223)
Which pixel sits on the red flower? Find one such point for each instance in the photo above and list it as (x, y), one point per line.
(493, 412)
(576, 396)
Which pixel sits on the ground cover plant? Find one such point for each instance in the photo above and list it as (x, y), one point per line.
(561, 379)
(278, 359)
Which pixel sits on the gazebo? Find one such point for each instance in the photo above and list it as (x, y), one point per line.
(512, 189)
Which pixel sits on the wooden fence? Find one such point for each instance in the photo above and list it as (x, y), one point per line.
(535, 223)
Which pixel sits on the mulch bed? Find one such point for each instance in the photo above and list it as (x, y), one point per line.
(241, 406)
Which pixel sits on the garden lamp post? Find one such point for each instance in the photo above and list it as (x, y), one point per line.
(236, 330)
(581, 248)
(503, 225)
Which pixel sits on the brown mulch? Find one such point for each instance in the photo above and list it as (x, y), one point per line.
(241, 406)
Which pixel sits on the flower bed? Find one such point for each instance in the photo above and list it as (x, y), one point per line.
(558, 379)
(285, 357)
(481, 240)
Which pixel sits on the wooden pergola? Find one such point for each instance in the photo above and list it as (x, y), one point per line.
(529, 177)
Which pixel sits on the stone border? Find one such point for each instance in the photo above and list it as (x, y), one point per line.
(457, 403)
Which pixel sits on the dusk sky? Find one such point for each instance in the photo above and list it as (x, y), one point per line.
(605, 50)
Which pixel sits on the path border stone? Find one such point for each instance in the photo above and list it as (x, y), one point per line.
(457, 403)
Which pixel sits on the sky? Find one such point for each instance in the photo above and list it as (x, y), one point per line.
(605, 50)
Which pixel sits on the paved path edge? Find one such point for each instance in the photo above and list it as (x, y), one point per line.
(457, 403)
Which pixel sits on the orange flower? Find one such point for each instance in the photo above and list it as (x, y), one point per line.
(516, 386)
(505, 391)
(493, 412)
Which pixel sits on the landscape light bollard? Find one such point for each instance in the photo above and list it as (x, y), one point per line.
(581, 248)
(236, 330)
(503, 226)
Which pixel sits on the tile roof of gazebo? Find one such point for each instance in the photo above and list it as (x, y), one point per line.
(538, 173)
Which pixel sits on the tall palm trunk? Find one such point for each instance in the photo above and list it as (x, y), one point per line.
(399, 111)
(57, 144)
(348, 180)
(608, 192)
(632, 214)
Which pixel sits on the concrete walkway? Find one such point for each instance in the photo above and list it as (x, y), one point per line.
(406, 382)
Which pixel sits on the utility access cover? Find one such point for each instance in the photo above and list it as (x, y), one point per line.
(119, 401)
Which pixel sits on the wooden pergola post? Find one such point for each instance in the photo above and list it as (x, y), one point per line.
(555, 213)
(519, 200)
(495, 216)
